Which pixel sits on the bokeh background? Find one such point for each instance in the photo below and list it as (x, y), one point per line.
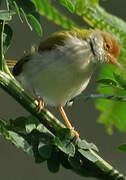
(15, 164)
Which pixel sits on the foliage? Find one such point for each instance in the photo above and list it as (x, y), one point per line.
(36, 140)
(43, 141)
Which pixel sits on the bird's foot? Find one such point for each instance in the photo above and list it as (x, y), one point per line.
(40, 103)
(75, 133)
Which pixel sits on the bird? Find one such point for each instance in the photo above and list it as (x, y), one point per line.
(62, 65)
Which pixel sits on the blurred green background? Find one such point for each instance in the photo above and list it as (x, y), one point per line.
(15, 164)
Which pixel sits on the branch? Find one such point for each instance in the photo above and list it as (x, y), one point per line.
(86, 161)
(101, 96)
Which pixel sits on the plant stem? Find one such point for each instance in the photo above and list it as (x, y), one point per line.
(1, 44)
(101, 96)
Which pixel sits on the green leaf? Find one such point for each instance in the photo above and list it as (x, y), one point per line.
(69, 4)
(28, 11)
(94, 147)
(21, 123)
(0, 2)
(81, 5)
(109, 82)
(36, 24)
(20, 142)
(7, 36)
(121, 79)
(3, 129)
(7, 4)
(1, 44)
(64, 160)
(65, 133)
(17, 10)
(112, 113)
(82, 144)
(45, 8)
(87, 154)
(75, 161)
(33, 139)
(27, 6)
(17, 125)
(26, 19)
(45, 150)
(54, 162)
(31, 123)
(122, 147)
(6, 15)
(65, 146)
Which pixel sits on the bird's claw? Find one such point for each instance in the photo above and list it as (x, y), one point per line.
(40, 103)
(75, 133)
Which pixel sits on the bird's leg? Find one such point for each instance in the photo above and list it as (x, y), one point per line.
(39, 101)
(67, 121)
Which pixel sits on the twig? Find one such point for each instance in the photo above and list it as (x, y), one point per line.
(100, 96)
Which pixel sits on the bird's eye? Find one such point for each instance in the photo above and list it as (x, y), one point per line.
(107, 47)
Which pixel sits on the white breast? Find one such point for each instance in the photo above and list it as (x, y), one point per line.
(60, 74)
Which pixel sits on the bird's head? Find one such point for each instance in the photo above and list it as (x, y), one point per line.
(105, 47)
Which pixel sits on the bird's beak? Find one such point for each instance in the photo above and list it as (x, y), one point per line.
(112, 60)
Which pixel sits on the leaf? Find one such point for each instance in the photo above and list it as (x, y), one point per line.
(27, 6)
(31, 123)
(3, 129)
(20, 142)
(6, 15)
(107, 82)
(21, 123)
(17, 125)
(7, 4)
(121, 79)
(36, 24)
(45, 8)
(45, 150)
(0, 2)
(94, 147)
(28, 11)
(7, 36)
(33, 139)
(26, 19)
(65, 146)
(112, 113)
(81, 5)
(88, 155)
(69, 4)
(53, 163)
(122, 147)
(64, 160)
(65, 133)
(75, 161)
(17, 11)
(82, 144)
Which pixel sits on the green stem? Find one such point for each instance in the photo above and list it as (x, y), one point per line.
(1, 44)
(3, 65)
(101, 96)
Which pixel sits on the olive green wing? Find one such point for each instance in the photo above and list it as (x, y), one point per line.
(58, 38)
